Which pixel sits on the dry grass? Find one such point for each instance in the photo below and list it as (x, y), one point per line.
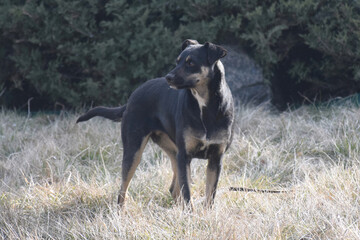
(59, 180)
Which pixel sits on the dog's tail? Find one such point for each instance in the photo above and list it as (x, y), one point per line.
(114, 114)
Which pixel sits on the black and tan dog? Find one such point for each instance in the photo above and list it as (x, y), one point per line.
(189, 114)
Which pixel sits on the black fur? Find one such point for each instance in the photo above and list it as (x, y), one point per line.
(114, 114)
(168, 111)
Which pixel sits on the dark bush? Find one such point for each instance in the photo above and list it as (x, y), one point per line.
(93, 51)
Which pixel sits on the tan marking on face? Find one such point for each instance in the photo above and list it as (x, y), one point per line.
(203, 76)
(178, 59)
(201, 91)
(187, 58)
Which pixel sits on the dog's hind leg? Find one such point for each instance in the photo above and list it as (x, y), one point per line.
(174, 187)
(169, 147)
(133, 149)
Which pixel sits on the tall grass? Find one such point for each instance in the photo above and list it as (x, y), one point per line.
(59, 180)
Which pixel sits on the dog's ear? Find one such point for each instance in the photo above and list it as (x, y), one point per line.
(188, 42)
(214, 52)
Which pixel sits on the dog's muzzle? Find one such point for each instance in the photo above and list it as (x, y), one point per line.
(170, 78)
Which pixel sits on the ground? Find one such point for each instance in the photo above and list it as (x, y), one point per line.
(59, 180)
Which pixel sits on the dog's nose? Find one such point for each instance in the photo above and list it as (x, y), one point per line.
(169, 77)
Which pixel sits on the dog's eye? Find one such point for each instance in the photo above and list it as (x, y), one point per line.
(190, 63)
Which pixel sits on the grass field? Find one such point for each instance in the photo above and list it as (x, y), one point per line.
(59, 180)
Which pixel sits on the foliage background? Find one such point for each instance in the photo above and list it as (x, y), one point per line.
(96, 52)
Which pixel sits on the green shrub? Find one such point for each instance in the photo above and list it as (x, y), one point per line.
(77, 52)
(96, 52)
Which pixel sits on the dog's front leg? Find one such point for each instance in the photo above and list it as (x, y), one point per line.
(212, 176)
(183, 166)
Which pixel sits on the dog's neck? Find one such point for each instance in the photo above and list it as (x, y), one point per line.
(215, 100)
(214, 85)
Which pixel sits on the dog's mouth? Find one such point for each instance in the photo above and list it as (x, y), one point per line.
(181, 86)
(179, 82)
(185, 84)
(173, 87)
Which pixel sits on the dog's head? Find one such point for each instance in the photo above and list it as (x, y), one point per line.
(195, 64)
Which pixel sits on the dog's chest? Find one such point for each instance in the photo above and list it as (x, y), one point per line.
(202, 144)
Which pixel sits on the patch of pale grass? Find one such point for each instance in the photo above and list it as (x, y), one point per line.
(59, 180)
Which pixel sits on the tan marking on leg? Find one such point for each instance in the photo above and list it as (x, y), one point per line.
(169, 147)
(188, 173)
(175, 193)
(125, 182)
(201, 90)
(210, 185)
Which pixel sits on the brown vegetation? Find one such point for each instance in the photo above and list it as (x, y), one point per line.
(59, 180)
